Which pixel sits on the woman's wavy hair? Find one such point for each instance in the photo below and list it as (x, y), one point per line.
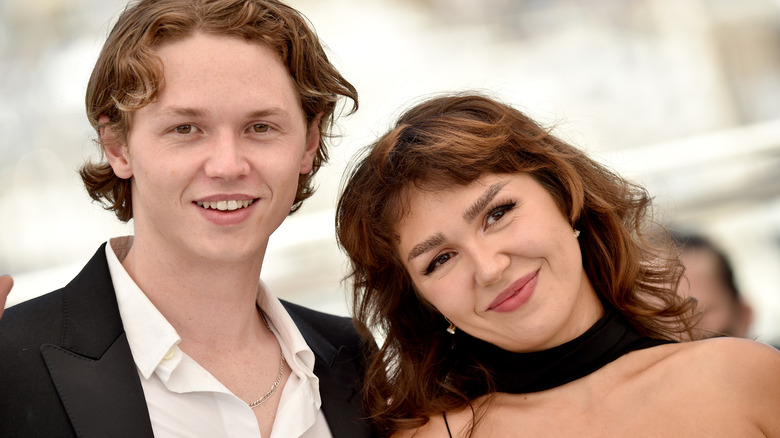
(128, 74)
(453, 140)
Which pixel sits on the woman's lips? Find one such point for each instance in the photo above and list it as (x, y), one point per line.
(517, 294)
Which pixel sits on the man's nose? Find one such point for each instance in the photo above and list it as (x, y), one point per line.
(227, 158)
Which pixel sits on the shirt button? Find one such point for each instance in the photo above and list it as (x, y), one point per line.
(169, 355)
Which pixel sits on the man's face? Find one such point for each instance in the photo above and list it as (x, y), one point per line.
(215, 159)
(722, 314)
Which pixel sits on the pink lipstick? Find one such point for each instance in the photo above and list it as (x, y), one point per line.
(517, 294)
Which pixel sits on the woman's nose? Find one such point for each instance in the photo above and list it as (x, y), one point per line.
(489, 266)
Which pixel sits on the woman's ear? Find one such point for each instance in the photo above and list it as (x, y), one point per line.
(116, 152)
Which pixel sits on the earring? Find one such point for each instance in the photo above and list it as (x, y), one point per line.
(576, 233)
(451, 328)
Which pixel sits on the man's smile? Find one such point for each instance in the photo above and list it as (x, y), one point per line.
(225, 205)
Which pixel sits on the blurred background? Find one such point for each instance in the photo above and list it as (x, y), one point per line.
(681, 96)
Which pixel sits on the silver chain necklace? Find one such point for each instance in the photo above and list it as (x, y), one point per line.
(271, 391)
(278, 380)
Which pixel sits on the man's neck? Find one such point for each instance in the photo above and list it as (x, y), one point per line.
(204, 300)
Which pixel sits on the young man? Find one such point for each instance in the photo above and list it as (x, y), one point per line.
(211, 116)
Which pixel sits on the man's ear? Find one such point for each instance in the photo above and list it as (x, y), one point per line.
(115, 151)
(312, 144)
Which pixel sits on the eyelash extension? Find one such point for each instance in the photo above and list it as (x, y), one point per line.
(505, 206)
(430, 268)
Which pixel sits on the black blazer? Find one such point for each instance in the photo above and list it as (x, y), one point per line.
(66, 368)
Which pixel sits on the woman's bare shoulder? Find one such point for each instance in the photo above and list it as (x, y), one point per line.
(740, 374)
(729, 354)
(738, 361)
(747, 375)
(715, 367)
(723, 353)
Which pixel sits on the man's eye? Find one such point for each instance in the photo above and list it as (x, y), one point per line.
(260, 128)
(184, 129)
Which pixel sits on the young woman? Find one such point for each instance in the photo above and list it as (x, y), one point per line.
(521, 290)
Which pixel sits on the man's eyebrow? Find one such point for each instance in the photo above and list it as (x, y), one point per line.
(272, 111)
(197, 112)
(483, 201)
(182, 111)
(425, 246)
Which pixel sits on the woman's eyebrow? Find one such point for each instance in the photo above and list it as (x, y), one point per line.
(483, 200)
(425, 246)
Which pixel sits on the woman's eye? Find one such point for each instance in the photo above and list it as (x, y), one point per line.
(259, 127)
(184, 129)
(498, 213)
(438, 261)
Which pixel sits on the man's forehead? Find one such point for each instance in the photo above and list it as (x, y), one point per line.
(205, 73)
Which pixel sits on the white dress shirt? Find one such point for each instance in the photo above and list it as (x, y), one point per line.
(184, 399)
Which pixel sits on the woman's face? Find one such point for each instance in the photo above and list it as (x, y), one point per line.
(499, 259)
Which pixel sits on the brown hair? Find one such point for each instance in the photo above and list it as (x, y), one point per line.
(128, 74)
(454, 140)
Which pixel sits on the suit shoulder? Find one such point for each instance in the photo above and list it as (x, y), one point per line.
(312, 314)
(337, 329)
(24, 328)
(33, 318)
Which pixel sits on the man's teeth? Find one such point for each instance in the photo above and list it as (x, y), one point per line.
(226, 205)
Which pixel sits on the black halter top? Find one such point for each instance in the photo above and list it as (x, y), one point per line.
(517, 373)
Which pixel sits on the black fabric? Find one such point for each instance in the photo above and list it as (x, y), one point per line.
(518, 373)
(341, 359)
(66, 369)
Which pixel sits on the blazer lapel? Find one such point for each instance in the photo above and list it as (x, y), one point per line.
(98, 397)
(93, 368)
(339, 377)
(340, 396)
